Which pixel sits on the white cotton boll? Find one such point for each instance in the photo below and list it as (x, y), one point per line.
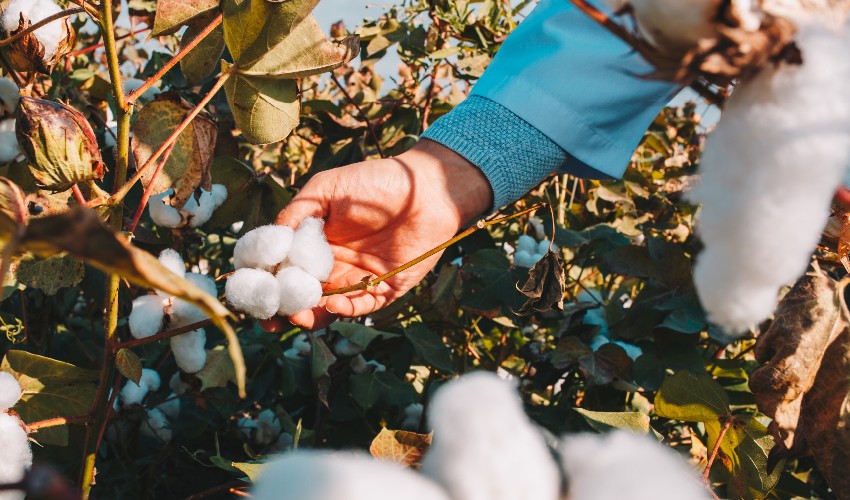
(622, 464)
(49, 35)
(157, 426)
(537, 225)
(171, 406)
(246, 428)
(412, 416)
(109, 142)
(310, 249)
(17, 455)
(301, 342)
(676, 24)
(162, 213)
(236, 227)
(147, 315)
(8, 143)
(346, 348)
(291, 353)
(284, 442)
(10, 391)
(263, 247)
(200, 208)
(268, 428)
(525, 259)
(527, 244)
(177, 385)
(132, 394)
(768, 175)
(189, 352)
(173, 262)
(184, 313)
(299, 291)
(323, 475)
(254, 291)
(150, 379)
(543, 248)
(9, 96)
(131, 84)
(219, 194)
(485, 448)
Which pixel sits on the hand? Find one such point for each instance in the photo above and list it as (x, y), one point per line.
(381, 214)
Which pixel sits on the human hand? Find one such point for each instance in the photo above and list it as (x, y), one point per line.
(381, 214)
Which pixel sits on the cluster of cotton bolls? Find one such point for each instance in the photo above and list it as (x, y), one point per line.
(278, 270)
(157, 423)
(195, 213)
(486, 448)
(50, 35)
(769, 172)
(14, 443)
(151, 313)
(529, 250)
(596, 317)
(9, 97)
(265, 432)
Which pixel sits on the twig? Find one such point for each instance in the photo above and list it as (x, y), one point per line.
(716, 449)
(55, 422)
(429, 99)
(362, 115)
(131, 98)
(9, 69)
(149, 190)
(119, 194)
(78, 194)
(49, 19)
(92, 48)
(367, 284)
(164, 335)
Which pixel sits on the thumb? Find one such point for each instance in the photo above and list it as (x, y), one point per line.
(311, 201)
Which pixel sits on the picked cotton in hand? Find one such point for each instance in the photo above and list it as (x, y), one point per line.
(310, 249)
(263, 247)
(189, 352)
(485, 447)
(299, 291)
(10, 390)
(769, 172)
(147, 315)
(254, 291)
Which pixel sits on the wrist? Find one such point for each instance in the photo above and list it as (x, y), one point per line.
(451, 178)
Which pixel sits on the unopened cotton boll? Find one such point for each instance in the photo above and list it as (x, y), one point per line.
(10, 391)
(254, 291)
(157, 426)
(525, 259)
(189, 352)
(263, 247)
(268, 428)
(322, 475)
(16, 452)
(162, 213)
(9, 96)
(147, 315)
(769, 172)
(299, 291)
(622, 464)
(485, 448)
(527, 244)
(310, 249)
(8, 141)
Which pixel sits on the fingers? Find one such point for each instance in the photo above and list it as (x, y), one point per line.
(311, 201)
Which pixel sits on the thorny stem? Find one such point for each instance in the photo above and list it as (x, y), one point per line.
(367, 283)
(362, 115)
(119, 194)
(49, 19)
(716, 449)
(149, 190)
(174, 60)
(164, 335)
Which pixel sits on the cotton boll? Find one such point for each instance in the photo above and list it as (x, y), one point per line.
(150, 379)
(412, 416)
(768, 175)
(202, 207)
(157, 426)
(485, 448)
(525, 259)
(676, 25)
(173, 262)
(284, 442)
(10, 391)
(219, 194)
(17, 455)
(8, 141)
(301, 342)
(189, 352)
(185, 313)
(254, 291)
(345, 348)
(49, 35)
(131, 84)
(268, 428)
(171, 406)
(543, 248)
(162, 213)
(177, 385)
(621, 464)
(246, 428)
(147, 315)
(9, 96)
(310, 249)
(299, 291)
(323, 475)
(263, 247)
(526, 244)
(132, 394)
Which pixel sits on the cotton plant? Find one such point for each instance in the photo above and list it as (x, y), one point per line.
(152, 312)
(278, 270)
(195, 213)
(14, 442)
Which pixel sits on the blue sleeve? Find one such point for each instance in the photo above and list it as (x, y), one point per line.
(566, 78)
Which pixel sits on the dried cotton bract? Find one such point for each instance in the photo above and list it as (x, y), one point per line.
(41, 49)
(321, 475)
(485, 448)
(768, 174)
(625, 465)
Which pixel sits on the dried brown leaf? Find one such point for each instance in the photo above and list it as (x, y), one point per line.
(545, 285)
(405, 448)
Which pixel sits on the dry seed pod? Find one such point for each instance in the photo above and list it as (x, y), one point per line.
(41, 49)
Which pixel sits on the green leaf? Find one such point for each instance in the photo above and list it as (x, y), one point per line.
(430, 347)
(201, 61)
(568, 352)
(402, 447)
(604, 421)
(51, 389)
(253, 27)
(685, 321)
(171, 14)
(321, 358)
(254, 199)
(361, 335)
(50, 274)
(369, 388)
(690, 398)
(266, 110)
(129, 365)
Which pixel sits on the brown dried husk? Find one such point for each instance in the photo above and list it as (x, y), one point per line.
(28, 54)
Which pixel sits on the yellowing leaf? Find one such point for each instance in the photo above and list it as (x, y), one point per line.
(171, 14)
(405, 448)
(50, 274)
(218, 371)
(252, 27)
(201, 61)
(265, 110)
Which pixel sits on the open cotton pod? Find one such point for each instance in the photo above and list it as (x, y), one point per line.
(41, 49)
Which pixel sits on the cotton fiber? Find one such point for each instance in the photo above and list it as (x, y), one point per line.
(147, 315)
(50, 35)
(161, 211)
(173, 262)
(17, 455)
(310, 249)
(171, 406)
(9, 96)
(157, 426)
(10, 391)
(8, 141)
(298, 291)
(254, 291)
(189, 351)
(263, 247)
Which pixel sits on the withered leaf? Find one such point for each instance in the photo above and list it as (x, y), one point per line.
(545, 285)
(172, 14)
(804, 384)
(405, 448)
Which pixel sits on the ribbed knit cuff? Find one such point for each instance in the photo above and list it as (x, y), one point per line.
(512, 154)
